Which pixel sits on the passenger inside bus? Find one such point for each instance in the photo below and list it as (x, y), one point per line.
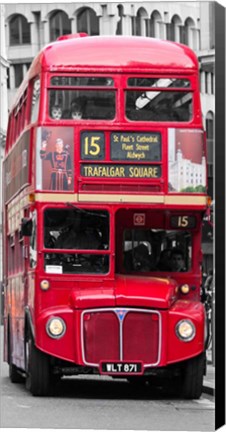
(75, 111)
(177, 260)
(148, 250)
(56, 112)
(90, 104)
(138, 259)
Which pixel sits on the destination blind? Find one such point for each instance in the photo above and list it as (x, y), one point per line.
(124, 146)
(131, 146)
(121, 171)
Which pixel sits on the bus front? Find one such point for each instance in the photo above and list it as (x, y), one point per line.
(116, 223)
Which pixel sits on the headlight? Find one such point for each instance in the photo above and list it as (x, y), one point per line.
(185, 289)
(55, 327)
(44, 284)
(185, 330)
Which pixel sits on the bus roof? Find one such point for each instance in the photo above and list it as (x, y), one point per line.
(108, 54)
(115, 52)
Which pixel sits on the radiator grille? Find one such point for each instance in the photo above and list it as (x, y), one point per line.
(121, 334)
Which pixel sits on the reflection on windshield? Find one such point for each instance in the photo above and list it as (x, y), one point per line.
(158, 82)
(158, 105)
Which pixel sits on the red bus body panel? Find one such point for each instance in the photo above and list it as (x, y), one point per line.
(102, 311)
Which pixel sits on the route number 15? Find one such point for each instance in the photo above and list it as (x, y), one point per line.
(92, 145)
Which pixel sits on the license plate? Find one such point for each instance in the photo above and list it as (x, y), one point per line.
(121, 368)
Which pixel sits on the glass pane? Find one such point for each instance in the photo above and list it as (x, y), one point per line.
(35, 100)
(76, 263)
(82, 104)
(18, 69)
(14, 31)
(26, 39)
(76, 229)
(81, 81)
(159, 106)
(158, 82)
(157, 250)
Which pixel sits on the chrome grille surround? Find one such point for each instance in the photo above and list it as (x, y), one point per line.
(119, 311)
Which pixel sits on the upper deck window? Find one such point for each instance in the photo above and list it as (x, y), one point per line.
(159, 105)
(82, 104)
(72, 81)
(159, 82)
(35, 100)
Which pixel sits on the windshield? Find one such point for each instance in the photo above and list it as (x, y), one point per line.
(157, 250)
(78, 230)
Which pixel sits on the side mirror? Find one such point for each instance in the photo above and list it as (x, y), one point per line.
(26, 227)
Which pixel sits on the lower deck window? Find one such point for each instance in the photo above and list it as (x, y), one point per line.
(76, 263)
(76, 229)
(157, 250)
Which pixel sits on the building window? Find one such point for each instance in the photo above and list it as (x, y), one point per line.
(183, 35)
(212, 83)
(119, 29)
(19, 31)
(156, 25)
(141, 27)
(8, 78)
(173, 29)
(18, 71)
(88, 22)
(170, 31)
(206, 83)
(59, 25)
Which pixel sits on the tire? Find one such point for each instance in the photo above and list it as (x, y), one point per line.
(192, 377)
(37, 369)
(15, 375)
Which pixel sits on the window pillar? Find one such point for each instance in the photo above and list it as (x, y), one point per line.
(108, 24)
(209, 83)
(45, 34)
(74, 25)
(202, 82)
(24, 70)
(177, 33)
(12, 77)
(126, 25)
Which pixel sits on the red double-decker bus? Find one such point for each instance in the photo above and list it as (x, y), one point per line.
(104, 194)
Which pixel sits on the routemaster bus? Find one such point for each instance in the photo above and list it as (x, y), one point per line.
(105, 189)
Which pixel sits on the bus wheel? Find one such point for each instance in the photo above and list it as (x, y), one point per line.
(192, 377)
(37, 369)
